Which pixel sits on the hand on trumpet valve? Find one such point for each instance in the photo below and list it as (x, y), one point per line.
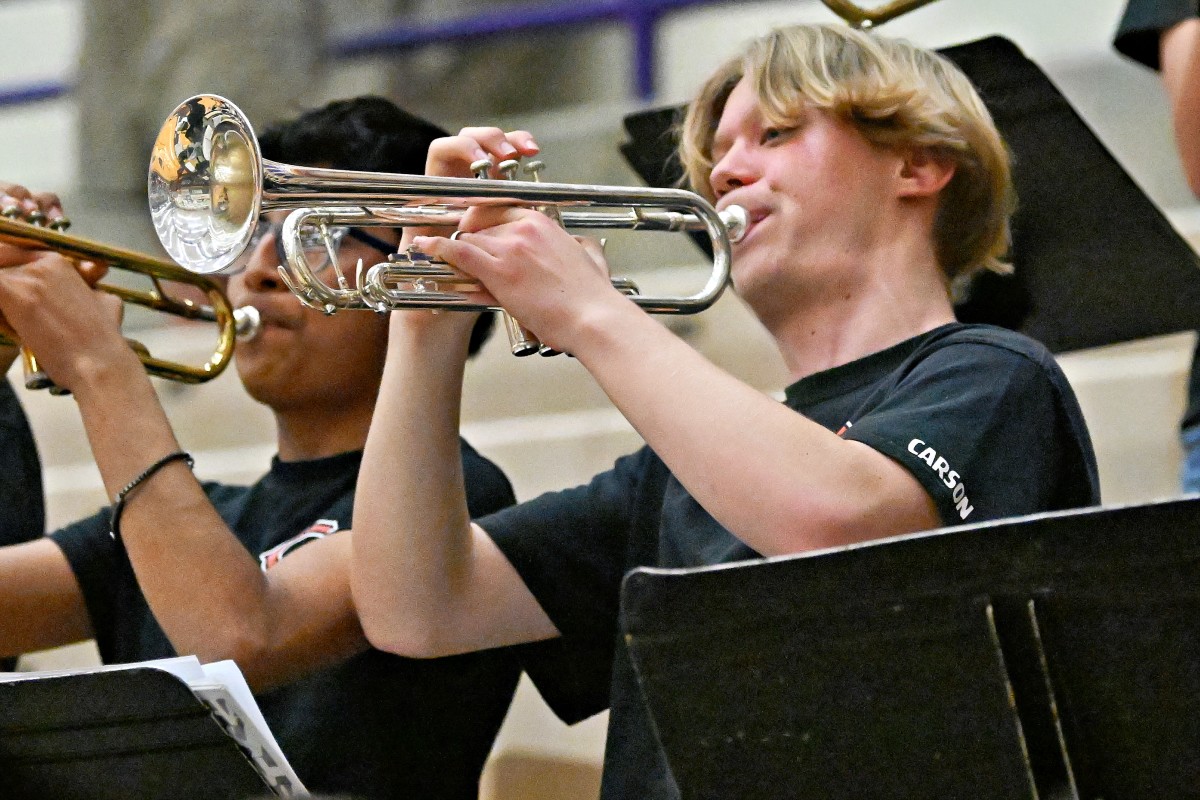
(537, 271)
(479, 153)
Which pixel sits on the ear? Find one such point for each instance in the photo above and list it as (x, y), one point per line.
(924, 172)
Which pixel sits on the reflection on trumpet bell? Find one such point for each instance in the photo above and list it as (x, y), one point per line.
(230, 323)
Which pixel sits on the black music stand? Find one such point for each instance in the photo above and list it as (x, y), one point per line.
(113, 735)
(886, 670)
(1095, 260)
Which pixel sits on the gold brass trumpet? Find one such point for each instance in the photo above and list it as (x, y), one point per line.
(231, 323)
(209, 184)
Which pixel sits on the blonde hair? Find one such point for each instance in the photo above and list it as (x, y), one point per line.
(896, 95)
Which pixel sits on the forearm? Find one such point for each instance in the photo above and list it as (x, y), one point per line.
(774, 478)
(412, 539)
(172, 533)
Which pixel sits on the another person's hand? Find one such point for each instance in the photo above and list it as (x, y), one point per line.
(72, 328)
(20, 203)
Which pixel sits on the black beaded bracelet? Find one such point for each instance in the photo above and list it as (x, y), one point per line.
(114, 521)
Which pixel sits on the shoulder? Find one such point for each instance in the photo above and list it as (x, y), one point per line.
(84, 533)
(221, 493)
(986, 420)
(987, 366)
(1002, 340)
(1144, 21)
(981, 353)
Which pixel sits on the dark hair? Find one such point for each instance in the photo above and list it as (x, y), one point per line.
(363, 133)
(367, 133)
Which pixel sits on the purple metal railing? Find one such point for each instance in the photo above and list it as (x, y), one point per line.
(640, 16)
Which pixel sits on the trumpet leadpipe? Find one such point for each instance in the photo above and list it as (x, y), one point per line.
(734, 219)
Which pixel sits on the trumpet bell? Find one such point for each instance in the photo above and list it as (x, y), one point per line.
(205, 184)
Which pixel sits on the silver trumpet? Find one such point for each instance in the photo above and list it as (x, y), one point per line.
(209, 184)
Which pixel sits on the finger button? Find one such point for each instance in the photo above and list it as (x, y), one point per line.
(481, 168)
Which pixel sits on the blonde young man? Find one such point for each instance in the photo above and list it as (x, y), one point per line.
(873, 177)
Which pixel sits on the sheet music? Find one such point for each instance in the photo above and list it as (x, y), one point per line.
(230, 698)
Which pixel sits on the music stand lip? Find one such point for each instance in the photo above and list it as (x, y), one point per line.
(948, 530)
(1085, 548)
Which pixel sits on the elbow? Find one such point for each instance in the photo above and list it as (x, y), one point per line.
(408, 633)
(253, 654)
(410, 640)
(797, 526)
(806, 527)
(1189, 158)
(382, 636)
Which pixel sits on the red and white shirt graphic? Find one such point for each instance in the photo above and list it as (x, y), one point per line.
(318, 530)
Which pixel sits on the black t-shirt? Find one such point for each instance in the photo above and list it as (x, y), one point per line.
(1137, 37)
(22, 510)
(375, 726)
(981, 416)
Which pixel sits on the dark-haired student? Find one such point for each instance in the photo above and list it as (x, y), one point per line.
(258, 574)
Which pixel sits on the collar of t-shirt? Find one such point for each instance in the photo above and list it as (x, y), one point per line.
(845, 378)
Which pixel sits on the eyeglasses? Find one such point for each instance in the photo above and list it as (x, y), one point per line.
(314, 243)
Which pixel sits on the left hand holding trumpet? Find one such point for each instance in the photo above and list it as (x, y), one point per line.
(536, 270)
(48, 302)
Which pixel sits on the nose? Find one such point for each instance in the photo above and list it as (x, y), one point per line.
(262, 267)
(733, 170)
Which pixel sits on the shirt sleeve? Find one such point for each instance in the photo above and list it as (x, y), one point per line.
(22, 511)
(988, 431)
(1144, 22)
(488, 488)
(572, 549)
(98, 563)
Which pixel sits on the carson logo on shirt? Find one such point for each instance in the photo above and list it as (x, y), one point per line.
(948, 476)
(318, 530)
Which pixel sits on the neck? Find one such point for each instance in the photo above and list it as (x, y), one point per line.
(305, 434)
(862, 303)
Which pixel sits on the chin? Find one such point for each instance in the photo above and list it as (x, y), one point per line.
(750, 277)
(258, 381)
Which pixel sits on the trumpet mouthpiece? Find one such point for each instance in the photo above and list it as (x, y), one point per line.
(736, 221)
(247, 322)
